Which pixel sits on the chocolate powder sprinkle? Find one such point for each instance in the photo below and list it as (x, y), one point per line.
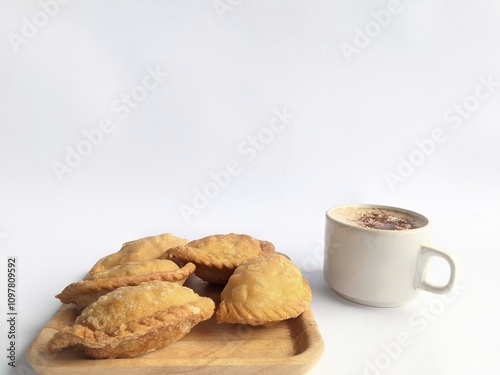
(377, 220)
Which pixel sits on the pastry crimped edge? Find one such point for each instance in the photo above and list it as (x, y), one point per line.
(83, 293)
(195, 255)
(269, 314)
(139, 337)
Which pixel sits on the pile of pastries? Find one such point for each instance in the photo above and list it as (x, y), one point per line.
(134, 301)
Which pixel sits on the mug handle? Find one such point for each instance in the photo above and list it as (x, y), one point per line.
(422, 263)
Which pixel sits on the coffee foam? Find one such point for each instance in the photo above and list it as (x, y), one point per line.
(377, 218)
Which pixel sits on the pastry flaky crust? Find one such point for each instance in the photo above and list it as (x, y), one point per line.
(85, 292)
(142, 249)
(217, 256)
(134, 320)
(263, 291)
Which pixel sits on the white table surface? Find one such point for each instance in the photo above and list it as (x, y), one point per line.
(275, 111)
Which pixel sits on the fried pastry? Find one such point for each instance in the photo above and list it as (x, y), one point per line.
(142, 249)
(217, 256)
(263, 291)
(83, 293)
(134, 320)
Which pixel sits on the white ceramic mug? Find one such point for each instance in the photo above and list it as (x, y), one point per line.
(378, 255)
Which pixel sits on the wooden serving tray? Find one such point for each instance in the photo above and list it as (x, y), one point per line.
(291, 347)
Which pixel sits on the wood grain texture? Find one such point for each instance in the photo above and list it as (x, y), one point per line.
(292, 347)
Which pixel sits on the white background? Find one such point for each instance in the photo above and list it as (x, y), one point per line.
(354, 122)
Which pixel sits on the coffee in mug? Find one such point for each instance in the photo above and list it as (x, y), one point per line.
(377, 218)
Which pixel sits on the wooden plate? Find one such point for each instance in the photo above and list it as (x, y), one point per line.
(291, 347)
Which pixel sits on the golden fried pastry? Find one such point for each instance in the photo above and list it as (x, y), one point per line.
(217, 256)
(134, 320)
(83, 293)
(142, 249)
(263, 291)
